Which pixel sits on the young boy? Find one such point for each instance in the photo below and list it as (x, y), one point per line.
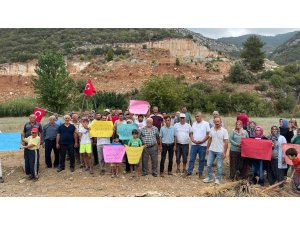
(291, 153)
(115, 167)
(134, 142)
(32, 154)
(297, 138)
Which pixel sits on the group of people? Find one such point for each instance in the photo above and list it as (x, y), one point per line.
(159, 133)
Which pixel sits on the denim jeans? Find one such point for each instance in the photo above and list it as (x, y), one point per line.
(211, 157)
(258, 171)
(197, 149)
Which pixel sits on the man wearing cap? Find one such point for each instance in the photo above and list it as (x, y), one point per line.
(49, 135)
(183, 131)
(31, 153)
(66, 141)
(188, 117)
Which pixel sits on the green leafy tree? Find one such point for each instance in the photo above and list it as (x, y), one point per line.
(252, 54)
(239, 74)
(53, 85)
(110, 55)
(166, 92)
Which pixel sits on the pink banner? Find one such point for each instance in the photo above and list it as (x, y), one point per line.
(256, 148)
(286, 147)
(138, 107)
(113, 153)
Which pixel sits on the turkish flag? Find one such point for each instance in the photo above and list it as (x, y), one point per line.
(256, 148)
(89, 89)
(39, 113)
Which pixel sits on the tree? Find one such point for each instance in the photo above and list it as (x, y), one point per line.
(53, 85)
(252, 54)
(165, 91)
(109, 55)
(239, 74)
(177, 62)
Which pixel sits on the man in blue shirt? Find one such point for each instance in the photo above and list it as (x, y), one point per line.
(168, 144)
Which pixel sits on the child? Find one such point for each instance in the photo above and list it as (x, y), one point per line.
(291, 153)
(296, 140)
(134, 142)
(115, 166)
(31, 153)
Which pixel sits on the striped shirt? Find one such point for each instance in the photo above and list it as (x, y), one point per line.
(167, 134)
(149, 137)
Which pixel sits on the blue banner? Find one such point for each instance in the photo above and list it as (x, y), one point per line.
(125, 130)
(10, 141)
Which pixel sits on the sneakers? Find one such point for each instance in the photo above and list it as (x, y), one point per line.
(217, 181)
(154, 174)
(207, 180)
(113, 176)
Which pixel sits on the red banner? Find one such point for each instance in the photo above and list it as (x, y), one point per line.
(286, 147)
(39, 113)
(256, 148)
(89, 88)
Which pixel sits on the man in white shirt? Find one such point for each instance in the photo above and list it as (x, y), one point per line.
(199, 137)
(182, 133)
(141, 122)
(217, 145)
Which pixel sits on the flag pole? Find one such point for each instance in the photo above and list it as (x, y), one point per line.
(82, 103)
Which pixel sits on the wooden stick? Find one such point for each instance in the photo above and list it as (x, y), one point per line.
(273, 186)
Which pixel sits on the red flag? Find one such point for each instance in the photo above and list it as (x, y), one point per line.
(256, 148)
(89, 89)
(39, 113)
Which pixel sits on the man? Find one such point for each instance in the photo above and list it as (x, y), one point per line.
(49, 136)
(211, 121)
(75, 121)
(173, 118)
(217, 145)
(199, 136)
(244, 118)
(101, 141)
(157, 118)
(182, 132)
(168, 145)
(140, 122)
(188, 117)
(94, 146)
(27, 132)
(150, 138)
(57, 120)
(66, 141)
(121, 120)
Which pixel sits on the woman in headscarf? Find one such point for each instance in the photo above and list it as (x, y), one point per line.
(251, 128)
(276, 167)
(237, 163)
(286, 129)
(258, 164)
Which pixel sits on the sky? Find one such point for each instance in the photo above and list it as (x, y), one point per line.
(234, 32)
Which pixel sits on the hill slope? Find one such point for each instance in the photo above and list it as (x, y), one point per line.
(288, 52)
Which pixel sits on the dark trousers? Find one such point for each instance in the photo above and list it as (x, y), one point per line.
(258, 171)
(32, 162)
(152, 152)
(127, 165)
(274, 173)
(63, 151)
(237, 163)
(167, 148)
(95, 153)
(182, 150)
(49, 145)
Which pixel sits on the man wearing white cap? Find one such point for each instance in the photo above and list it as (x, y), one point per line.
(183, 131)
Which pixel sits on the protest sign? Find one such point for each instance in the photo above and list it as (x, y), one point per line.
(101, 129)
(286, 147)
(113, 153)
(256, 148)
(138, 107)
(125, 130)
(134, 154)
(10, 141)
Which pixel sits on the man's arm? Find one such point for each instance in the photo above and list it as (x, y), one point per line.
(76, 139)
(225, 148)
(208, 144)
(57, 140)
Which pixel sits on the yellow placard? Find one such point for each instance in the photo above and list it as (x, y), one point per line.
(101, 128)
(134, 154)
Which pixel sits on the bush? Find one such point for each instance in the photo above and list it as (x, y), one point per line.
(277, 81)
(108, 100)
(239, 74)
(109, 55)
(285, 104)
(177, 62)
(262, 86)
(18, 107)
(165, 91)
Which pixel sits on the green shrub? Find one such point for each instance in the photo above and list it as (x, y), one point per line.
(239, 74)
(18, 107)
(277, 81)
(177, 62)
(262, 86)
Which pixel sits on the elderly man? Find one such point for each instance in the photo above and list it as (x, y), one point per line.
(66, 141)
(199, 136)
(183, 131)
(157, 118)
(211, 121)
(49, 136)
(150, 138)
(217, 145)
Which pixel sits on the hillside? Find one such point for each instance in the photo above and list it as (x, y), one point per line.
(271, 42)
(289, 51)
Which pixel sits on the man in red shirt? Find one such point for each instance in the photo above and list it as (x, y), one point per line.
(244, 118)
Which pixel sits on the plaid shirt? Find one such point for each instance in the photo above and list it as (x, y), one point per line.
(149, 138)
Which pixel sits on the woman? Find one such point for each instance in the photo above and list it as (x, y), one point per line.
(286, 129)
(251, 128)
(258, 164)
(238, 165)
(294, 127)
(276, 167)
